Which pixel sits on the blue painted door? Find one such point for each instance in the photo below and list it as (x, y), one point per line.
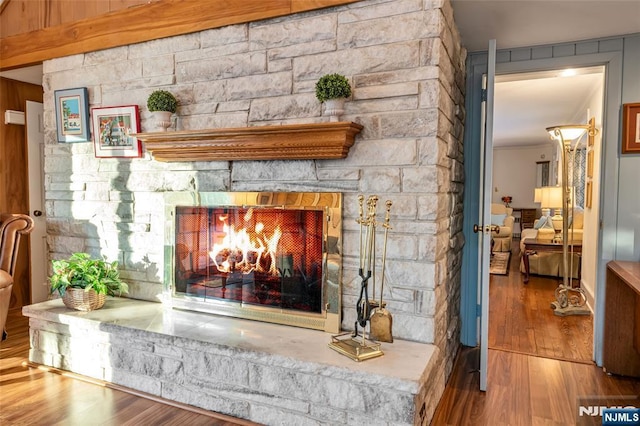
(484, 213)
(479, 107)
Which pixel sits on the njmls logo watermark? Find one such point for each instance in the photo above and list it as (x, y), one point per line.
(621, 416)
(608, 410)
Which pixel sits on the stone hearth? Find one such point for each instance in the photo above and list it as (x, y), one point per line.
(266, 373)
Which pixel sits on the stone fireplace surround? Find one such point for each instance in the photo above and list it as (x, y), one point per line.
(266, 373)
(406, 66)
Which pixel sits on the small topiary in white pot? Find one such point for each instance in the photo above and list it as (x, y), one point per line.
(162, 104)
(333, 90)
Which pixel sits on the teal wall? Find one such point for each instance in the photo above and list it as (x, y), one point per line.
(628, 209)
(620, 186)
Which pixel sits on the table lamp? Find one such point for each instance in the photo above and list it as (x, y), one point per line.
(537, 198)
(551, 198)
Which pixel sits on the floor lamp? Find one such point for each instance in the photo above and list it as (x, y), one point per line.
(569, 300)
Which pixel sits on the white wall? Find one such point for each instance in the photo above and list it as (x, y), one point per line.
(514, 172)
(591, 215)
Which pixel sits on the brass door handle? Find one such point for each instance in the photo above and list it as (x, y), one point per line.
(486, 229)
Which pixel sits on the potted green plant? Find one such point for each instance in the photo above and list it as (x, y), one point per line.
(84, 282)
(332, 90)
(162, 104)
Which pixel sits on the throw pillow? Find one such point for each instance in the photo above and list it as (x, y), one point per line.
(578, 218)
(498, 219)
(549, 224)
(540, 223)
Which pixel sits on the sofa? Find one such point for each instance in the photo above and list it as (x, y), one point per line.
(502, 217)
(550, 264)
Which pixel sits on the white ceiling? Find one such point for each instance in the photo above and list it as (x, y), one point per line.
(518, 23)
(526, 104)
(31, 75)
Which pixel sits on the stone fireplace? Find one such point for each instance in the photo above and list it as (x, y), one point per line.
(404, 61)
(266, 256)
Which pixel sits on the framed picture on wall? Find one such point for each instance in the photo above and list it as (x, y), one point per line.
(72, 115)
(631, 128)
(112, 129)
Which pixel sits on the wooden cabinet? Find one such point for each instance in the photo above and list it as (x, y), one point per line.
(527, 218)
(524, 218)
(621, 346)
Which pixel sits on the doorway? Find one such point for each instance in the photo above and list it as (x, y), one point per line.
(521, 318)
(14, 178)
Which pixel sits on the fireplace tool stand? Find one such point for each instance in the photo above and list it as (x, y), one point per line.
(356, 345)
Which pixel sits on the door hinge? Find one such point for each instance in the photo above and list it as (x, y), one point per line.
(478, 310)
(483, 95)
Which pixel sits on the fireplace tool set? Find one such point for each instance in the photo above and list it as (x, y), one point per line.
(371, 312)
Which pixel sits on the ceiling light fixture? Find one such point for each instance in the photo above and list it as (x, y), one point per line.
(568, 72)
(569, 132)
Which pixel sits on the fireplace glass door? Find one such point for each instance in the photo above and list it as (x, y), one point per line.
(258, 256)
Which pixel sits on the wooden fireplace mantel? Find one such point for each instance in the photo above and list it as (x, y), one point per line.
(315, 141)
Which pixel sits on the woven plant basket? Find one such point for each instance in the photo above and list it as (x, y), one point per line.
(81, 300)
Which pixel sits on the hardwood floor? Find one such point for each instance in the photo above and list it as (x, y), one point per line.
(521, 319)
(34, 396)
(539, 367)
(527, 390)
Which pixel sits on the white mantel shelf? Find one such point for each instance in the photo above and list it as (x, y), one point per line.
(314, 141)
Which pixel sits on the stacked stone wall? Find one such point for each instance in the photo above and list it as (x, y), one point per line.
(404, 61)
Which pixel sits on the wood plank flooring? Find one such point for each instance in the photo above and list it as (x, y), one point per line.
(521, 319)
(539, 363)
(527, 390)
(33, 396)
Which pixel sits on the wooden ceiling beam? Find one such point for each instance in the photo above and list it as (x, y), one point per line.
(159, 19)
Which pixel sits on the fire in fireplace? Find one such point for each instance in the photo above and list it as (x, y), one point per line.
(272, 257)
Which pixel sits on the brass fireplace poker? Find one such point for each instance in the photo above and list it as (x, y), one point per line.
(356, 345)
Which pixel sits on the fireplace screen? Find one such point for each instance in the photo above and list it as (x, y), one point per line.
(273, 259)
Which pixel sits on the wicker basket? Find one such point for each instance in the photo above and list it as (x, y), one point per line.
(81, 300)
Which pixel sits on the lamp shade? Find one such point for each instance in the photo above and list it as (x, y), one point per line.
(537, 195)
(551, 197)
(569, 132)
